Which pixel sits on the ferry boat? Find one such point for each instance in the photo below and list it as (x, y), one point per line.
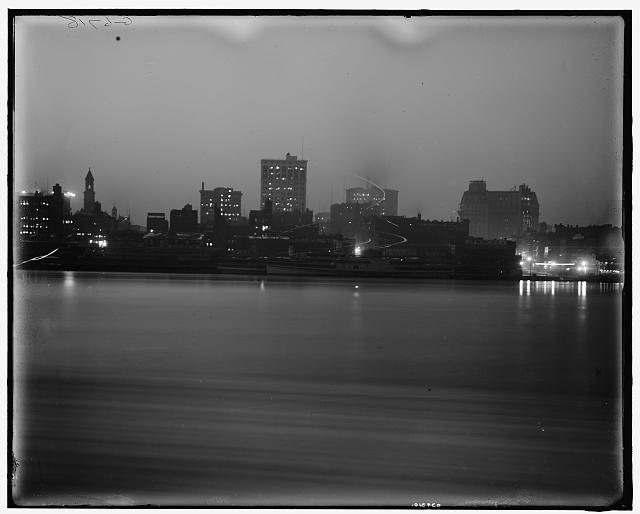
(355, 267)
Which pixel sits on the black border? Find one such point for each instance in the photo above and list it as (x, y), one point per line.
(625, 502)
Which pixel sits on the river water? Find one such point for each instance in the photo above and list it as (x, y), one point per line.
(166, 389)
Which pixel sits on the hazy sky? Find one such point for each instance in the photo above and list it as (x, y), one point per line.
(422, 105)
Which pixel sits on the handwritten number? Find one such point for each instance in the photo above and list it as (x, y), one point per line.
(124, 22)
(70, 24)
(74, 21)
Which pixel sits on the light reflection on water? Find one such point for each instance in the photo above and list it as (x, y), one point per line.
(313, 391)
(551, 287)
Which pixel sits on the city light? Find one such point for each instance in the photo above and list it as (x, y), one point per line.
(358, 251)
(69, 194)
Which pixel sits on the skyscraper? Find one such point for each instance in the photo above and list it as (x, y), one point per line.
(284, 182)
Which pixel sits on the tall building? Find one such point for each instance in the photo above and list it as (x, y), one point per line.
(284, 182)
(90, 206)
(183, 220)
(387, 199)
(499, 214)
(43, 215)
(90, 222)
(228, 201)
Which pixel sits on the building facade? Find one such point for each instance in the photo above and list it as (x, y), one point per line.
(323, 219)
(499, 214)
(432, 240)
(284, 182)
(157, 223)
(183, 220)
(227, 200)
(261, 221)
(43, 215)
(387, 199)
(352, 220)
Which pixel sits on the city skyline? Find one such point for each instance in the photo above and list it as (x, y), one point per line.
(421, 105)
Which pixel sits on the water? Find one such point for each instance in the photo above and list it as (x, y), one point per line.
(210, 390)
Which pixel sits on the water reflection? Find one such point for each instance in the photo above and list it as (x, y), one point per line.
(582, 288)
(552, 287)
(139, 384)
(69, 279)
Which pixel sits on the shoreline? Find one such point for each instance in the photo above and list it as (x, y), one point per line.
(240, 272)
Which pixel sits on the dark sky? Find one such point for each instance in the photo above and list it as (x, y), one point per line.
(422, 105)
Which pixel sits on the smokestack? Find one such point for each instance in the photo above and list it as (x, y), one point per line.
(419, 215)
(202, 186)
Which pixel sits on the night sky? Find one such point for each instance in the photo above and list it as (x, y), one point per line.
(422, 105)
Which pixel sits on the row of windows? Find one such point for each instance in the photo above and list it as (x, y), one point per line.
(37, 225)
(288, 168)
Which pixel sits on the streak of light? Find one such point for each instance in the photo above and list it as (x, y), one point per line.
(37, 258)
(404, 239)
(375, 185)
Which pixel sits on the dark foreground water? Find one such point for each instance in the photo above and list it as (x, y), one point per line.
(200, 390)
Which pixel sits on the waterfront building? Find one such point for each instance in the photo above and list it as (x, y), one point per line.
(157, 223)
(499, 214)
(43, 215)
(387, 199)
(228, 200)
(571, 250)
(284, 182)
(478, 257)
(183, 220)
(432, 240)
